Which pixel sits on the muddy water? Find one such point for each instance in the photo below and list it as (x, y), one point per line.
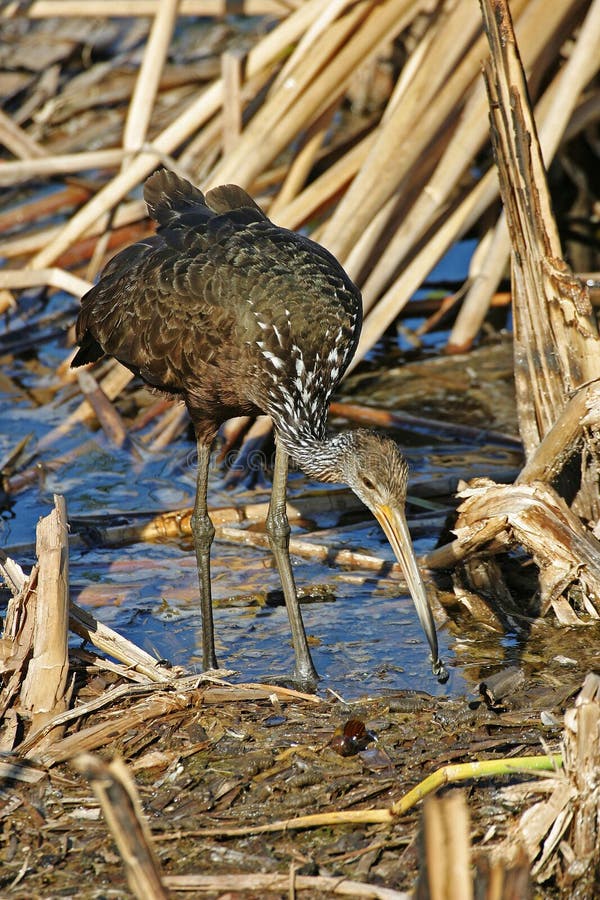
(364, 631)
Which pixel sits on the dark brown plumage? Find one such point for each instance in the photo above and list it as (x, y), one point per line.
(238, 316)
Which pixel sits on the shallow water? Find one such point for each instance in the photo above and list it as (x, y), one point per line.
(365, 637)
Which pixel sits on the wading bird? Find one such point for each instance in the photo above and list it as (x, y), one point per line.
(237, 316)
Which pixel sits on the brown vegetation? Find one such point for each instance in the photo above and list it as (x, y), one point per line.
(368, 123)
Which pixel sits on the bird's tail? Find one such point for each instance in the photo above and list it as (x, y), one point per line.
(168, 196)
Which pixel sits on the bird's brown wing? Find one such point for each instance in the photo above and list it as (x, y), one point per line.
(154, 310)
(156, 306)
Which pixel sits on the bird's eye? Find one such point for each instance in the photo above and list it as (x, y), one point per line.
(368, 483)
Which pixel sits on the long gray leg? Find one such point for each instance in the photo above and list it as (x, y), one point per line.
(203, 534)
(278, 529)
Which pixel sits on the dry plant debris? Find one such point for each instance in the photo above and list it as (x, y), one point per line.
(557, 349)
(560, 833)
(393, 186)
(388, 189)
(216, 764)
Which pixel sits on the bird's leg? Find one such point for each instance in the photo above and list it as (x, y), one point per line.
(203, 533)
(278, 529)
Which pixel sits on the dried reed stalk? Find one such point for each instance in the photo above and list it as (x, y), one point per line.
(16, 644)
(176, 525)
(557, 348)
(113, 644)
(565, 437)
(281, 105)
(32, 210)
(320, 192)
(126, 214)
(179, 695)
(371, 416)
(110, 421)
(33, 473)
(16, 279)
(172, 424)
(445, 872)
(393, 153)
(199, 112)
(148, 79)
(301, 165)
(44, 690)
(467, 138)
(554, 114)
(492, 517)
(303, 51)
(107, 700)
(251, 455)
(232, 75)
(253, 153)
(327, 553)
(141, 106)
(17, 140)
(112, 384)
(12, 173)
(43, 9)
(116, 791)
(399, 293)
(262, 884)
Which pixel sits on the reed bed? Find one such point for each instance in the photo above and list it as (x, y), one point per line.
(365, 123)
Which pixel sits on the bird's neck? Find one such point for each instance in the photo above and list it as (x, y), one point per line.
(319, 458)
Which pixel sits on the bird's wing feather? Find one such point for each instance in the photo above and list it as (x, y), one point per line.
(156, 309)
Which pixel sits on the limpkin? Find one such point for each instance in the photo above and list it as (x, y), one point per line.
(237, 316)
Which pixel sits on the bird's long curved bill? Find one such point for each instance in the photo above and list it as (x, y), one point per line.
(393, 522)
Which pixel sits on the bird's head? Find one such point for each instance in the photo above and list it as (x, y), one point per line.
(377, 472)
(375, 469)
